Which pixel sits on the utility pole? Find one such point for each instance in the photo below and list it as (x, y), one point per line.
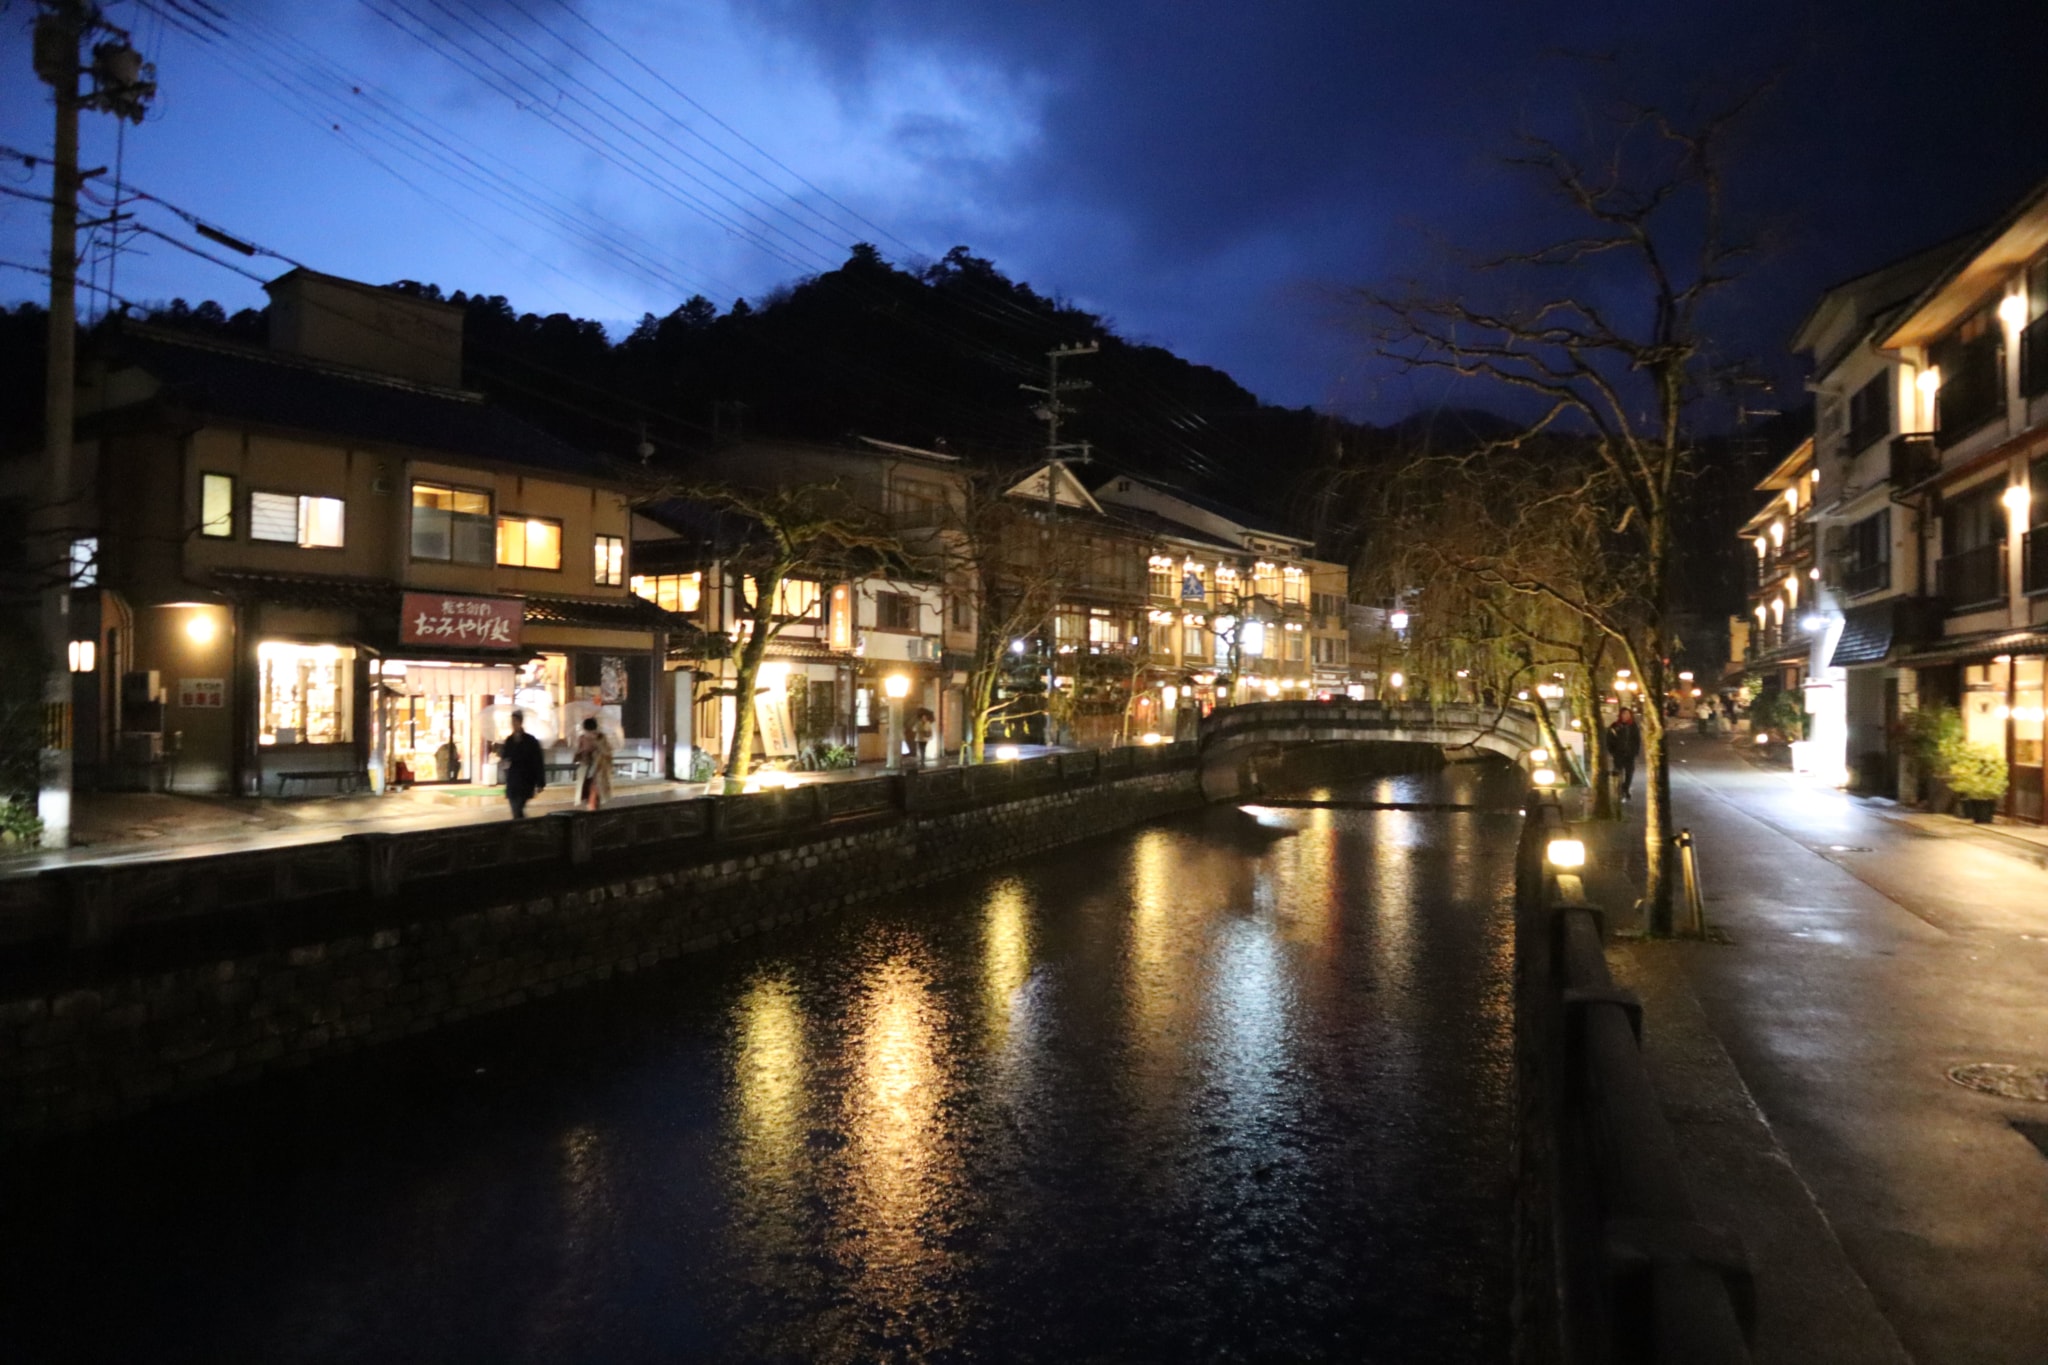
(1050, 412)
(122, 85)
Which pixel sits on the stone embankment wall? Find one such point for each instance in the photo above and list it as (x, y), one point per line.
(125, 986)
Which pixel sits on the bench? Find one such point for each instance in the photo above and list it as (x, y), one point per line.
(561, 772)
(345, 780)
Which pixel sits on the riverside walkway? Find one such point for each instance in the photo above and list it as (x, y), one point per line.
(1891, 1214)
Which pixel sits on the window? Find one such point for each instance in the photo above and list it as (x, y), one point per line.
(1867, 551)
(1165, 576)
(293, 519)
(1297, 646)
(1266, 579)
(1870, 412)
(529, 543)
(798, 598)
(963, 613)
(1971, 361)
(1293, 586)
(895, 611)
(1105, 632)
(217, 506)
(916, 502)
(306, 693)
(451, 524)
(1194, 638)
(611, 561)
(677, 592)
(85, 561)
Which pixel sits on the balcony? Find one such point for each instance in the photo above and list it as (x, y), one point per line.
(2034, 560)
(1914, 459)
(1859, 579)
(1971, 580)
(2034, 358)
(1974, 393)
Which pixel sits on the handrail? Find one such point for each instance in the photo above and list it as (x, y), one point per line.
(1629, 1271)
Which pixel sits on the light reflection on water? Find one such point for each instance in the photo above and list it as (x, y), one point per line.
(1222, 1087)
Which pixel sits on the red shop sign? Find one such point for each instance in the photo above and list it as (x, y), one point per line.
(429, 618)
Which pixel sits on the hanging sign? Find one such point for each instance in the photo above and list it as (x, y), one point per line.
(475, 622)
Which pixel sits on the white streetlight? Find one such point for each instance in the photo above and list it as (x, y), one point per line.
(895, 687)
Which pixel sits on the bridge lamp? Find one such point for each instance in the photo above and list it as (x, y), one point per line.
(1006, 753)
(1686, 676)
(1544, 777)
(1539, 755)
(1565, 853)
(1395, 680)
(1151, 737)
(1398, 620)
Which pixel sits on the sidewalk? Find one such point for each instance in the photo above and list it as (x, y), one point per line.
(126, 827)
(1890, 1213)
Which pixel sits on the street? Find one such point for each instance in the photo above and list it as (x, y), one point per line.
(1866, 957)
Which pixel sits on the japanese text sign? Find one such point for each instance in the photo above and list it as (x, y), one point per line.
(465, 622)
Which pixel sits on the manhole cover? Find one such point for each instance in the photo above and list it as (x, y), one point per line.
(2009, 1082)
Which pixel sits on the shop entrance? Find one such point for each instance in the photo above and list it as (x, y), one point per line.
(435, 720)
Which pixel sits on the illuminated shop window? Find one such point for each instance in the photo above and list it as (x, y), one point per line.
(307, 693)
(217, 506)
(677, 592)
(611, 561)
(451, 524)
(294, 519)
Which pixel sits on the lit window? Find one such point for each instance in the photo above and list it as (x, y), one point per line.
(217, 506)
(677, 592)
(529, 543)
(611, 561)
(794, 597)
(289, 519)
(306, 693)
(85, 561)
(451, 524)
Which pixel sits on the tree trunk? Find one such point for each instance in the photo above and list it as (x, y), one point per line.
(1598, 770)
(1657, 824)
(739, 760)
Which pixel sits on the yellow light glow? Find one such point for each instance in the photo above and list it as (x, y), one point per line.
(200, 628)
(82, 655)
(2012, 310)
(1544, 777)
(1695, 691)
(1565, 853)
(1395, 680)
(896, 686)
(1539, 755)
(1777, 533)
(1763, 739)
(1151, 737)
(1930, 379)
(772, 677)
(2017, 497)
(1006, 753)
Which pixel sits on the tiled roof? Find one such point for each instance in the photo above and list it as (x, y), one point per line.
(1866, 635)
(1982, 645)
(379, 599)
(239, 383)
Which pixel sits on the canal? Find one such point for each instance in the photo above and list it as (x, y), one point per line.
(1231, 1086)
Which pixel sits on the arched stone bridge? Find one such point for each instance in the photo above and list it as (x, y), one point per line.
(1230, 736)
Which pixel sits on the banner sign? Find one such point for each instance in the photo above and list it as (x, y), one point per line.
(771, 722)
(203, 693)
(477, 622)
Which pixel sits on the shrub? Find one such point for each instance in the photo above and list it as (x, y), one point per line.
(1974, 772)
(1929, 730)
(19, 823)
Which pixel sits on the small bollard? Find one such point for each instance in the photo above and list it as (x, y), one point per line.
(1689, 871)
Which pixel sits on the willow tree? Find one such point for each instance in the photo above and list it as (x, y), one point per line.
(1602, 328)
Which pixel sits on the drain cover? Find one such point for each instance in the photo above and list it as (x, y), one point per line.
(2010, 1082)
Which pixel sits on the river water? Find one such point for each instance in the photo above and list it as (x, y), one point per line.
(1231, 1086)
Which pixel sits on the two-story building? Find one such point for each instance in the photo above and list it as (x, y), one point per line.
(1972, 350)
(324, 559)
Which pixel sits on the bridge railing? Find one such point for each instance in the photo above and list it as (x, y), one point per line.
(1613, 1260)
(1515, 722)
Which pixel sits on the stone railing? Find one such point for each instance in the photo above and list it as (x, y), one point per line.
(97, 903)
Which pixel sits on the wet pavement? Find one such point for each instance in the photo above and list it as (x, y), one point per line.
(1865, 957)
(1231, 1086)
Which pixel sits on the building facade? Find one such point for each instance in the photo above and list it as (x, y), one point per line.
(322, 564)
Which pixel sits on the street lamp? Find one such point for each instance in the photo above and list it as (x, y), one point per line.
(895, 687)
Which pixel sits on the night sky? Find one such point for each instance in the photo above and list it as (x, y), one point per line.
(1211, 177)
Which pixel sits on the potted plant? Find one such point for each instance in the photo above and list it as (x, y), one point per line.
(1976, 774)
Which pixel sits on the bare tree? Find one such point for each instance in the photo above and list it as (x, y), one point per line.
(1604, 327)
(796, 531)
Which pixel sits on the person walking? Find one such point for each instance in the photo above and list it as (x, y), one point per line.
(525, 768)
(1625, 746)
(920, 737)
(593, 766)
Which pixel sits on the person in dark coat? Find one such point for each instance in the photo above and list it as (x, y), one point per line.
(1625, 746)
(526, 770)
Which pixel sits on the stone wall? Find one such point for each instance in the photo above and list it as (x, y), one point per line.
(136, 1007)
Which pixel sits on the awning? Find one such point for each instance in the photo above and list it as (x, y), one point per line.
(427, 680)
(1983, 645)
(1866, 635)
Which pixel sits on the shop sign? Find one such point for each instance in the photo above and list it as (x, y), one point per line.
(771, 722)
(478, 622)
(203, 693)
